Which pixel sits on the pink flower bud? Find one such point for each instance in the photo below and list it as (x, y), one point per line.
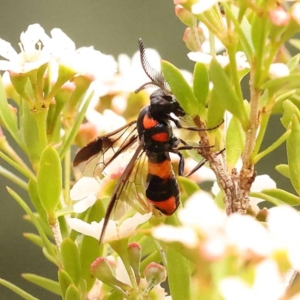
(155, 274)
(134, 255)
(185, 16)
(279, 17)
(102, 269)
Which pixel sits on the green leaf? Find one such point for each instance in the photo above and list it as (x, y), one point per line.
(72, 293)
(49, 179)
(34, 238)
(295, 43)
(17, 290)
(45, 283)
(7, 118)
(34, 220)
(282, 195)
(287, 82)
(283, 170)
(64, 280)
(293, 150)
(180, 88)
(293, 62)
(30, 134)
(71, 261)
(289, 110)
(215, 111)
(258, 33)
(35, 199)
(201, 85)
(267, 198)
(178, 270)
(188, 188)
(227, 98)
(235, 142)
(89, 248)
(70, 139)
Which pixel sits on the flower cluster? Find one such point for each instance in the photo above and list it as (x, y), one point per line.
(268, 251)
(56, 96)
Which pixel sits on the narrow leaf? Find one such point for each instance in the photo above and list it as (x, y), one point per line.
(187, 187)
(70, 139)
(71, 261)
(282, 195)
(180, 88)
(178, 270)
(49, 179)
(8, 120)
(65, 281)
(235, 142)
(72, 293)
(201, 85)
(35, 199)
(30, 133)
(227, 98)
(283, 170)
(89, 248)
(293, 150)
(17, 290)
(289, 110)
(45, 283)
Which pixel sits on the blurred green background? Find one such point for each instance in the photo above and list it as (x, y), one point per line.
(113, 27)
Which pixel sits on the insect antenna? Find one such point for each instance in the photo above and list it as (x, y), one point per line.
(157, 78)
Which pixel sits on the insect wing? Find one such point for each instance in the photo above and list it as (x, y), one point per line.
(92, 159)
(130, 189)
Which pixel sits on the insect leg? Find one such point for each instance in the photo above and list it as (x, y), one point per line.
(201, 163)
(193, 128)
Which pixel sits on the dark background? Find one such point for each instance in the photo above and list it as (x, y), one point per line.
(113, 27)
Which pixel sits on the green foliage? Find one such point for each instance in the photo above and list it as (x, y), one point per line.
(198, 247)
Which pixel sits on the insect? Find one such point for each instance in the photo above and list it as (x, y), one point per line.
(153, 134)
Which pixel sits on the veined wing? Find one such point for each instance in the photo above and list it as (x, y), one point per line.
(92, 159)
(129, 186)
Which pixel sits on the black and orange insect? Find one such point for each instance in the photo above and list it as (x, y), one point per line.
(153, 134)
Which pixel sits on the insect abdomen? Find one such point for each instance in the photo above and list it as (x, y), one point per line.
(162, 187)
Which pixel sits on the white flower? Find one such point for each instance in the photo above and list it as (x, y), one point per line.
(84, 60)
(203, 5)
(202, 213)
(185, 235)
(223, 60)
(31, 57)
(267, 284)
(278, 70)
(114, 230)
(247, 235)
(85, 192)
(283, 223)
(106, 122)
(130, 72)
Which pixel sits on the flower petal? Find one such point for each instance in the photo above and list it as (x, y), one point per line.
(84, 204)
(129, 226)
(84, 187)
(85, 228)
